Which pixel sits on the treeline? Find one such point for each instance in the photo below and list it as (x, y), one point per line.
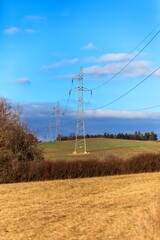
(147, 136)
(135, 136)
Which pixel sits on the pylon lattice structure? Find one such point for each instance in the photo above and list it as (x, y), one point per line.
(50, 132)
(57, 113)
(80, 140)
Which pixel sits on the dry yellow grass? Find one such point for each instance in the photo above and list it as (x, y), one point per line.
(118, 207)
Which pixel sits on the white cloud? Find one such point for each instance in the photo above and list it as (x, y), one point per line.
(29, 30)
(11, 30)
(89, 60)
(67, 76)
(89, 46)
(121, 114)
(136, 68)
(35, 18)
(23, 81)
(38, 109)
(97, 70)
(114, 57)
(44, 109)
(14, 30)
(61, 63)
(157, 73)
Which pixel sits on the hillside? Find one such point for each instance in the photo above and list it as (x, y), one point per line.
(118, 207)
(99, 147)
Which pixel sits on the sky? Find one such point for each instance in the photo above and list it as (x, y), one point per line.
(43, 45)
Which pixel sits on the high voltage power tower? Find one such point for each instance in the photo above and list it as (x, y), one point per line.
(80, 140)
(49, 132)
(57, 113)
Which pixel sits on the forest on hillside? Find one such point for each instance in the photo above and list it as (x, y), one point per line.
(147, 136)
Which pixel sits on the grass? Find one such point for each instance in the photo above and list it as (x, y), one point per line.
(113, 208)
(118, 207)
(99, 147)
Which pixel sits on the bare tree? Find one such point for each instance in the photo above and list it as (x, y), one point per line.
(17, 142)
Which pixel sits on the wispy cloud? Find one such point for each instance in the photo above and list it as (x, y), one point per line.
(121, 114)
(15, 30)
(89, 46)
(29, 30)
(35, 18)
(137, 68)
(61, 63)
(98, 70)
(38, 109)
(39, 115)
(41, 109)
(23, 81)
(66, 76)
(11, 30)
(113, 57)
(157, 73)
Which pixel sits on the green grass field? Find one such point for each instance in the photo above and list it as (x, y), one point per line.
(98, 148)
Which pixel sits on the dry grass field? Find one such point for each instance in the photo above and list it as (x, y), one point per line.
(118, 207)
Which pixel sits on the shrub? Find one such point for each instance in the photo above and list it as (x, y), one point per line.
(146, 162)
(52, 170)
(17, 142)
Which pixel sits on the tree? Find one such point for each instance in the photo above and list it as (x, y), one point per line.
(153, 136)
(17, 142)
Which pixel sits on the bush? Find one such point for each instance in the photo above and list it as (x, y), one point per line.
(51, 170)
(147, 162)
(17, 142)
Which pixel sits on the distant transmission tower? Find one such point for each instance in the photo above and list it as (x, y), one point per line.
(57, 113)
(80, 141)
(49, 132)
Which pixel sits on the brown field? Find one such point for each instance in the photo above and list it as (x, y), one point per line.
(118, 207)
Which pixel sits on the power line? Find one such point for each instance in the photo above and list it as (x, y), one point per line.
(109, 80)
(143, 40)
(146, 108)
(67, 103)
(139, 109)
(63, 113)
(87, 104)
(69, 96)
(128, 90)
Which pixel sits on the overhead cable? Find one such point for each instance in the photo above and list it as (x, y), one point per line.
(146, 108)
(110, 79)
(69, 96)
(129, 90)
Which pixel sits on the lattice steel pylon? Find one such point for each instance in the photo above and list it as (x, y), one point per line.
(80, 140)
(57, 113)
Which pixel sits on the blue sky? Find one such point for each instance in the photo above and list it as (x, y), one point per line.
(44, 43)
